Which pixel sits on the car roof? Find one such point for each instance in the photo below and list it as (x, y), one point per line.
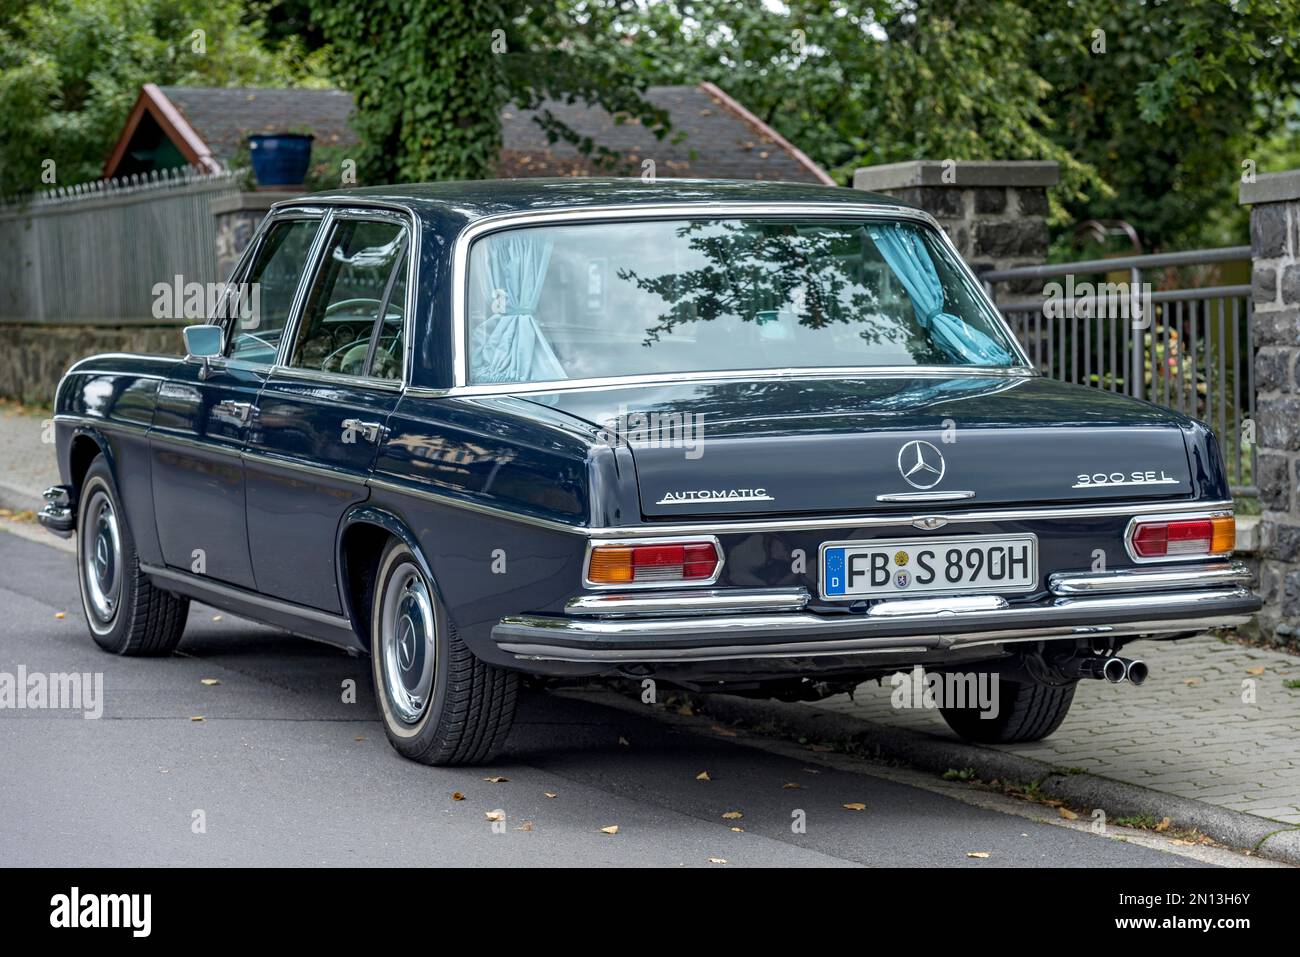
(476, 199)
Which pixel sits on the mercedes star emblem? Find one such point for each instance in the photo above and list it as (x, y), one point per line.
(921, 464)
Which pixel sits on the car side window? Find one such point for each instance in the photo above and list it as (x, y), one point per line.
(261, 311)
(352, 322)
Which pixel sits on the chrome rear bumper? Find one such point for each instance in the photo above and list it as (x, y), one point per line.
(728, 624)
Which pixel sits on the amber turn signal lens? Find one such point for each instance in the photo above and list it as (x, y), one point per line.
(1183, 537)
(660, 562)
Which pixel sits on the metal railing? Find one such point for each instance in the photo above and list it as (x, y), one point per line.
(1189, 349)
(92, 253)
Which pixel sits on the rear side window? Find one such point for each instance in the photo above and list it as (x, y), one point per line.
(273, 278)
(352, 322)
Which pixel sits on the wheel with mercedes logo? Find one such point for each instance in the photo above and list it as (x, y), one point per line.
(127, 614)
(439, 703)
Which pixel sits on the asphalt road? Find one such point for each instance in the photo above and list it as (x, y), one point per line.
(286, 773)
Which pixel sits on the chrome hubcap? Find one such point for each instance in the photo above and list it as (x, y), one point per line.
(101, 551)
(407, 639)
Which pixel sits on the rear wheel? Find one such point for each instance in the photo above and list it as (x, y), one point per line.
(439, 703)
(127, 615)
(1027, 711)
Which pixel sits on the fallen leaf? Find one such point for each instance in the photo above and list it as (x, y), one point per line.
(725, 732)
(526, 826)
(550, 794)
(855, 806)
(1192, 681)
(686, 711)
(1164, 824)
(209, 681)
(1066, 813)
(791, 786)
(980, 854)
(623, 741)
(717, 860)
(217, 617)
(60, 614)
(358, 738)
(732, 816)
(197, 717)
(612, 829)
(497, 815)
(457, 796)
(496, 780)
(1255, 671)
(1181, 843)
(739, 830)
(703, 776)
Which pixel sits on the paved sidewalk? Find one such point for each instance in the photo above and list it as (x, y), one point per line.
(1186, 732)
(27, 465)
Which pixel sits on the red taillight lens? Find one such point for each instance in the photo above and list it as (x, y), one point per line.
(1181, 537)
(671, 562)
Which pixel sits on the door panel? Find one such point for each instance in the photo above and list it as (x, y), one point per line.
(322, 417)
(204, 410)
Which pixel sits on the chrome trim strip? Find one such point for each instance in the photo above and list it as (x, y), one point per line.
(294, 465)
(1148, 579)
(641, 586)
(709, 210)
(715, 526)
(240, 594)
(903, 607)
(230, 451)
(1196, 613)
(110, 425)
(452, 501)
(1147, 516)
(924, 496)
(734, 600)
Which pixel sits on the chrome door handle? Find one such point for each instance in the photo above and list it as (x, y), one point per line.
(232, 409)
(370, 431)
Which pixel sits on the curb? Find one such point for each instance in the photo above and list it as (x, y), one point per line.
(1265, 838)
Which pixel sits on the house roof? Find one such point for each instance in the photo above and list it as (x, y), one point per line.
(712, 136)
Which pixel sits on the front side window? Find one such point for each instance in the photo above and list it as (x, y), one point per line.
(352, 321)
(274, 275)
(661, 297)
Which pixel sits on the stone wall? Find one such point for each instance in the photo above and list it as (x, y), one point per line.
(995, 212)
(1274, 199)
(34, 357)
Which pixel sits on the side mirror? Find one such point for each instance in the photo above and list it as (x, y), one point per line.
(202, 342)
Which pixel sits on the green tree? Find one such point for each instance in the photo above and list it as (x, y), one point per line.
(430, 80)
(71, 69)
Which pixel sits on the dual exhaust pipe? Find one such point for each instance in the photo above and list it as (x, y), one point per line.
(1110, 667)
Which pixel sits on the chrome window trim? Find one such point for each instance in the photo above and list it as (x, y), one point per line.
(1147, 516)
(645, 586)
(660, 211)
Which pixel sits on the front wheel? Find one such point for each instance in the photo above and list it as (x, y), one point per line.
(126, 613)
(439, 703)
(1027, 711)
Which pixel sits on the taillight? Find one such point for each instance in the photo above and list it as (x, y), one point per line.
(660, 562)
(1179, 538)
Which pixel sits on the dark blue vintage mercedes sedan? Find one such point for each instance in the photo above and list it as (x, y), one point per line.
(758, 438)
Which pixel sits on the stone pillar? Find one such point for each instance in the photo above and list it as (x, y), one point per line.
(237, 218)
(995, 212)
(1274, 200)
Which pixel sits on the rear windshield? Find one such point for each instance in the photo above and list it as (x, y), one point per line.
(592, 300)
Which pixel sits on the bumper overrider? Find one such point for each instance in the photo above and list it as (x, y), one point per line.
(58, 515)
(776, 623)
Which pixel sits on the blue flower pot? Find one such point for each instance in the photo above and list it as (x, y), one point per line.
(280, 159)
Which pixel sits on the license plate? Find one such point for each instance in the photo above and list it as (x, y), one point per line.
(910, 566)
